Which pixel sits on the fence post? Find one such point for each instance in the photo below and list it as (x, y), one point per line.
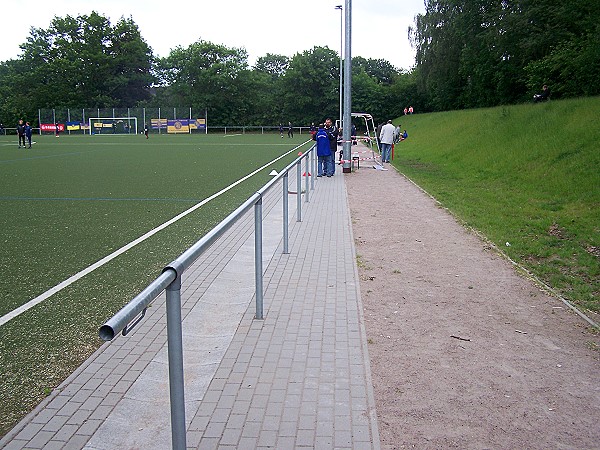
(307, 165)
(314, 168)
(286, 238)
(258, 267)
(175, 351)
(299, 189)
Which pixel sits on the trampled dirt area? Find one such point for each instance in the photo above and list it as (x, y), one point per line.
(465, 353)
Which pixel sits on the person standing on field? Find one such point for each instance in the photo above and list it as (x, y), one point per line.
(290, 130)
(386, 138)
(21, 132)
(28, 131)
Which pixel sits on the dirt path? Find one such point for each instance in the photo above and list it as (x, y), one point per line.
(464, 352)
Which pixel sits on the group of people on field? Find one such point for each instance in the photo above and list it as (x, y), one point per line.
(24, 130)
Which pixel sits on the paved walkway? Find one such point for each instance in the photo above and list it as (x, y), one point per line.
(297, 379)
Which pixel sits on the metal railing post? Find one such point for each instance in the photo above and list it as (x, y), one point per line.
(307, 165)
(286, 213)
(175, 350)
(258, 267)
(299, 189)
(314, 169)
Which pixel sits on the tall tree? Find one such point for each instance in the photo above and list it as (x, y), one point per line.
(85, 61)
(207, 75)
(311, 86)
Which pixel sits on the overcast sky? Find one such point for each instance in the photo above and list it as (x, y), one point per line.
(379, 27)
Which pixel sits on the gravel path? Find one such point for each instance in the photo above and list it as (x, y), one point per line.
(465, 353)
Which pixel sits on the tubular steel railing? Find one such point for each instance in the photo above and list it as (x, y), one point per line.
(170, 281)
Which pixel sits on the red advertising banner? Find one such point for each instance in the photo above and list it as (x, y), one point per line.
(51, 127)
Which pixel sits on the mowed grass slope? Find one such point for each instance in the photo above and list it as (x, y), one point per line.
(68, 202)
(526, 176)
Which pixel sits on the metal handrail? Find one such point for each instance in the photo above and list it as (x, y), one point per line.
(170, 280)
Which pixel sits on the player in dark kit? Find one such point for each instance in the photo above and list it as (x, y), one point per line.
(21, 132)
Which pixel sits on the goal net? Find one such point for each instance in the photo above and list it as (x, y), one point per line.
(113, 125)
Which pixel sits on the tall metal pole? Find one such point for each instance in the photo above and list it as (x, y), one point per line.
(346, 168)
(341, 59)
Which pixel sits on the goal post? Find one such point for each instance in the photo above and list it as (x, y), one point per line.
(113, 125)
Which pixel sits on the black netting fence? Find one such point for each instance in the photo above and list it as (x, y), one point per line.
(122, 120)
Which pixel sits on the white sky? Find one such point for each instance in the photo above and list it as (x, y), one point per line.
(379, 27)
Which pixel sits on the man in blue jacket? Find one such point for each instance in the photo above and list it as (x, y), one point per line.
(324, 159)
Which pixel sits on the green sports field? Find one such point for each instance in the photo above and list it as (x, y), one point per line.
(70, 201)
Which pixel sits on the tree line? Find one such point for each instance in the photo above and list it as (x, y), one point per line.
(469, 53)
(87, 62)
(475, 53)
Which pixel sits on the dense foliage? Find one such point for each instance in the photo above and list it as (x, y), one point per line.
(77, 62)
(473, 53)
(469, 53)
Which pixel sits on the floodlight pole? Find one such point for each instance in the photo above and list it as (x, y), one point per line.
(346, 168)
(341, 59)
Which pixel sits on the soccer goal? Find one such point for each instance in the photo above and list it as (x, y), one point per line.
(113, 125)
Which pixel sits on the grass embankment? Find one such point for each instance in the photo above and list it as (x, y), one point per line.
(526, 176)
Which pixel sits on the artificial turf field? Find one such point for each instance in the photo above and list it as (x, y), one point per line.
(68, 202)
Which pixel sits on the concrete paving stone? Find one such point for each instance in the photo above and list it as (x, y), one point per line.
(220, 414)
(231, 436)
(274, 408)
(94, 367)
(15, 444)
(41, 439)
(267, 439)
(76, 443)
(362, 445)
(66, 432)
(247, 391)
(286, 443)
(360, 433)
(324, 442)
(54, 445)
(208, 443)
(131, 375)
(78, 417)
(342, 423)
(112, 399)
(325, 427)
(101, 412)
(91, 403)
(305, 438)
(89, 427)
(212, 396)
(55, 423)
(199, 423)
(44, 416)
(28, 432)
(251, 429)
(241, 407)
(214, 429)
(342, 438)
(193, 438)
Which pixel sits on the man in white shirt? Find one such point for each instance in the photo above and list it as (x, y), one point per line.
(386, 139)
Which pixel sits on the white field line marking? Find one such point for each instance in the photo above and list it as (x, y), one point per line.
(59, 287)
(229, 135)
